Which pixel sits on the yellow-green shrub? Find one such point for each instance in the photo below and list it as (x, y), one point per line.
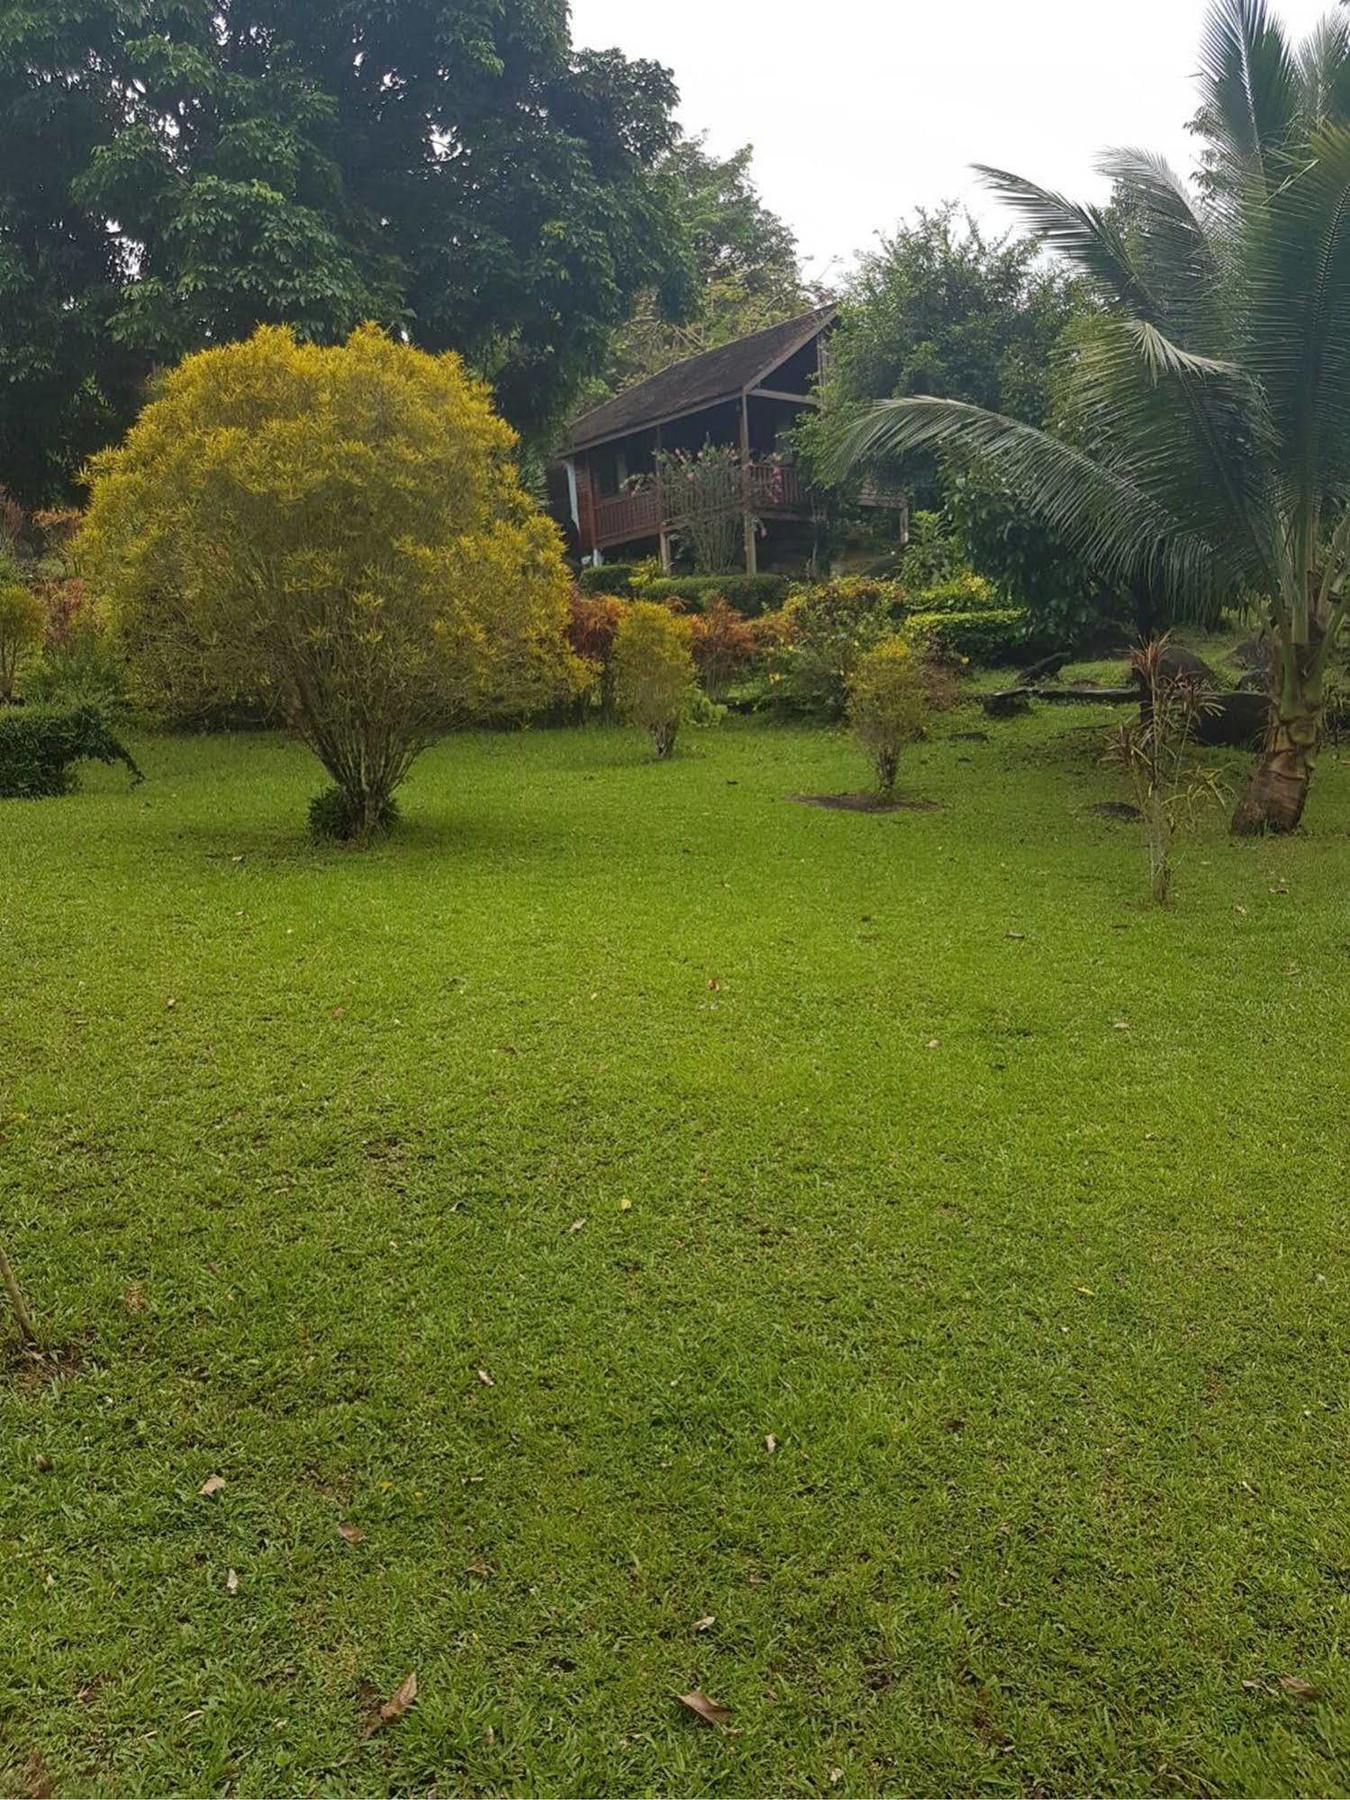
(22, 622)
(888, 705)
(654, 671)
(340, 533)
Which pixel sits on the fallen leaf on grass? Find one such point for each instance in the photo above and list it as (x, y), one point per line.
(935, 1043)
(212, 1485)
(486, 1379)
(134, 1298)
(771, 1443)
(576, 1225)
(232, 1582)
(1300, 1689)
(1120, 1025)
(710, 1711)
(394, 1708)
(351, 1534)
(706, 1623)
(1090, 1292)
(625, 1205)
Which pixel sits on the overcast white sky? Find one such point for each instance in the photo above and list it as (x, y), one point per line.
(860, 110)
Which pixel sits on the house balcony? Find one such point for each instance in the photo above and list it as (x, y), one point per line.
(774, 491)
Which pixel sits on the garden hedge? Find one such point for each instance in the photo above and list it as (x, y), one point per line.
(38, 745)
(989, 638)
(610, 578)
(749, 594)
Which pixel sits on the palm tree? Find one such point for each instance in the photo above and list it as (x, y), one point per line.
(1212, 452)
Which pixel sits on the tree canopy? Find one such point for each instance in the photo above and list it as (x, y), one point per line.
(745, 272)
(176, 174)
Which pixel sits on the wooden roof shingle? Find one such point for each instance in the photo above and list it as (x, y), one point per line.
(699, 381)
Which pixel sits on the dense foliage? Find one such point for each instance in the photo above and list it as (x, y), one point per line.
(747, 593)
(21, 628)
(39, 747)
(459, 172)
(940, 308)
(745, 272)
(340, 533)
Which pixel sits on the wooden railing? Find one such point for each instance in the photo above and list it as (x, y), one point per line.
(774, 488)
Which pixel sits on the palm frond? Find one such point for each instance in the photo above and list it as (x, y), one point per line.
(1098, 510)
(1249, 85)
(1192, 432)
(1175, 247)
(1324, 74)
(1298, 323)
(1087, 235)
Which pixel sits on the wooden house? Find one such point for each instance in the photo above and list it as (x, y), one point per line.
(747, 395)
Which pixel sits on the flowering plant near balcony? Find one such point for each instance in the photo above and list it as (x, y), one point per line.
(703, 501)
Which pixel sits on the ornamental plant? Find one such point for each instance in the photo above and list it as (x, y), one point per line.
(888, 705)
(723, 644)
(592, 626)
(825, 629)
(22, 622)
(654, 671)
(340, 534)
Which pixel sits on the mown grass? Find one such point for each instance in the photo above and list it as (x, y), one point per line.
(1011, 1209)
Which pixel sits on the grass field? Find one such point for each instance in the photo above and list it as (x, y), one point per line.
(629, 1198)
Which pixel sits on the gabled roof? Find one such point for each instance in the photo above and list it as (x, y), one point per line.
(699, 381)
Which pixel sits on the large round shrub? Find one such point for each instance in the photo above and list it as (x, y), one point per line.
(341, 534)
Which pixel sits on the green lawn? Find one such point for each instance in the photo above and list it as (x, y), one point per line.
(1014, 1211)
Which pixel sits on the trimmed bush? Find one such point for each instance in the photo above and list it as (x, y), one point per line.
(965, 592)
(749, 594)
(592, 626)
(654, 671)
(609, 578)
(888, 705)
(987, 638)
(39, 745)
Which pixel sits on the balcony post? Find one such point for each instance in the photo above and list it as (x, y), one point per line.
(747, 508)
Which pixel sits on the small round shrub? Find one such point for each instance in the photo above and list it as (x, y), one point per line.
(888, 705)
(335, 819)
(654, 671)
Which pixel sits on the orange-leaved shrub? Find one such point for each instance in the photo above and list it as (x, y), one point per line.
(723, 643)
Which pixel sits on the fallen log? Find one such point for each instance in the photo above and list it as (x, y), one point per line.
(1010, 700)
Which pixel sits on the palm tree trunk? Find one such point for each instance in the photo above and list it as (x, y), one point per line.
(1276, 791)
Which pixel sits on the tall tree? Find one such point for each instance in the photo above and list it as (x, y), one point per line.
(1219, 383)
(942, 308)
(176, 172)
